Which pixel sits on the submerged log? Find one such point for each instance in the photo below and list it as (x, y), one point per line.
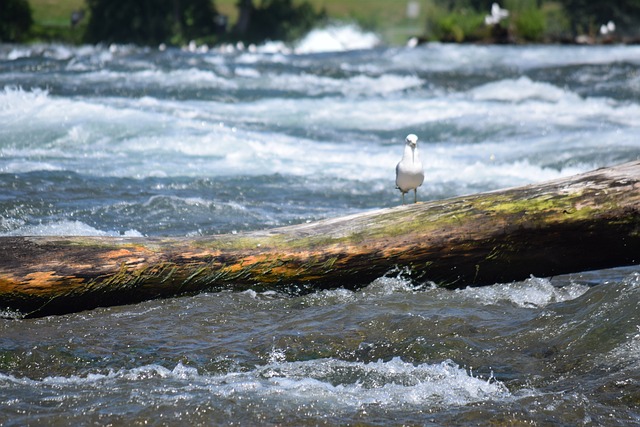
(584, 222)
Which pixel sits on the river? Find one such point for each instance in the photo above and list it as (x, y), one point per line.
(131, 141)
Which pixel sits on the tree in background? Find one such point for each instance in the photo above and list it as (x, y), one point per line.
(587, 15)
(149, 22)
(15, 20)
(196, 18)
(275, 20)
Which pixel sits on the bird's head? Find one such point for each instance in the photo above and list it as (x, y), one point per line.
(412, 140)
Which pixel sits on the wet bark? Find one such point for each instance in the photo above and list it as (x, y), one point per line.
(584, 222)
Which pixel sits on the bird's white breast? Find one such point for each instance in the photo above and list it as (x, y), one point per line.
(409, 172)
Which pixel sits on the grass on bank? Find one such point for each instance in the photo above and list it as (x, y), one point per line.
(56, 13)
(52, 20)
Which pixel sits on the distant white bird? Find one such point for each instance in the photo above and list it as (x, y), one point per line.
(497, 15)
(409, 171)
(607, 29)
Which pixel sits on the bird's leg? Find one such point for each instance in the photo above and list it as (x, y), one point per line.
(415, 195)
(402, 197)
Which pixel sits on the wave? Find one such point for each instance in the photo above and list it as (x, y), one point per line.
(181, 78)
(346, 37)
(320, 386)
(441, 57)
(314, 85)
(336, 38)
(147, 137)
(246, 79)
(66, 228)
(522, 89)
(531, 293)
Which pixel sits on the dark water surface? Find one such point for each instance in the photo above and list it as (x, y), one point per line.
(562, 352)
(128, 141)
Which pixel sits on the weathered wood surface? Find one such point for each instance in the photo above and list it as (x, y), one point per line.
(584, 222)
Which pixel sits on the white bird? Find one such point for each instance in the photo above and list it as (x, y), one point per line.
(409, 171)
(497, 15)
(609, 28)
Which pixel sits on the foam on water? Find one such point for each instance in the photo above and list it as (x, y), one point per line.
(521, 89)
(53, 51)
(321, 85)
(536, 110)
(430, 56)
(394, 283)
(66, 228)
(352, 385)
(531, 293)
(18, 102)
(193, 78)
(44, 123)
(336, 38)
(148, 137)
(317, 386)
(451, 57)
(247, 79)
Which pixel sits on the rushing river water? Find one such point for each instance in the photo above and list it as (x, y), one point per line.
(123, 140)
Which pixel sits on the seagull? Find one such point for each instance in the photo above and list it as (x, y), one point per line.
(497, 15)
(609, 28)
(409, 172)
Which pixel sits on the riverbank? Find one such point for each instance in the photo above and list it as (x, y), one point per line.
(395, 21)
(52, 19)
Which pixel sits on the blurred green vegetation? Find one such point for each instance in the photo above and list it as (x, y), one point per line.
(213, 21)
(15, 20)
(275, 20)
(527, 20)
(455, 24)
(148, 22)
(532, 20)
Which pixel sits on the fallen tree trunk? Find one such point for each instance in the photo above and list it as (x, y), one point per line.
(588, 221)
